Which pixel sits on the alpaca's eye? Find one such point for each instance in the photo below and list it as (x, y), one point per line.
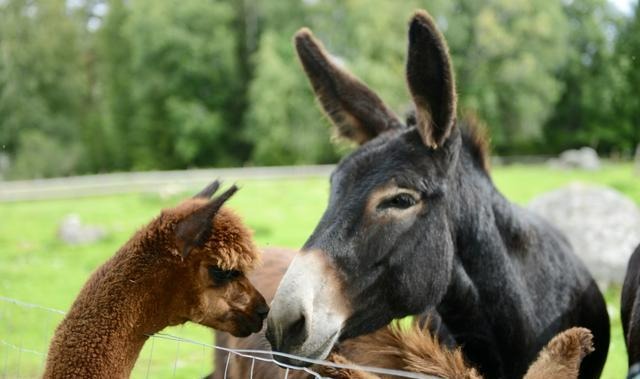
(400, 201)
(221, 276)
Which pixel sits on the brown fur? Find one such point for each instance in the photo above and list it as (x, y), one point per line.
(474, 133)
(562, 356)
(148, 285)
(412, 349)
(416, 350)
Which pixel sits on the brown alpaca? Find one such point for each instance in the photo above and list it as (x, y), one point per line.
(561, 357)
(188, 264)
(413, 349)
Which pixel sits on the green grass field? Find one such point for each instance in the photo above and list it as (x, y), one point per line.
(36, 267)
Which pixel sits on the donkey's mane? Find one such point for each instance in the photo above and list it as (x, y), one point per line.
(474, 137)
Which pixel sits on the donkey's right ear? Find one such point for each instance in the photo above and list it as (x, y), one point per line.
(431, 81)
(357, 112)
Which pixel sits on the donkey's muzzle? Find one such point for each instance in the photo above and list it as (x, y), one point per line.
(308, 310)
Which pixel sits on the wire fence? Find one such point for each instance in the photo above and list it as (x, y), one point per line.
(26, 329)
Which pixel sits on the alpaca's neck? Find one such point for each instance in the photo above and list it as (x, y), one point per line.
(107, 326)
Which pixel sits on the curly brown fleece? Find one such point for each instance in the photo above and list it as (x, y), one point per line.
(416, 350)
(148, 285)
(413, 349)
(562, 356)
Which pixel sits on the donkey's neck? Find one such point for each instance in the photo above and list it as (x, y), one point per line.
(118, 308)
(489, 234)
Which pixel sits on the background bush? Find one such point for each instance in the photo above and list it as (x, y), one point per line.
(147, 84)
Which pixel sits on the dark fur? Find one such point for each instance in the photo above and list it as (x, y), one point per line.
(503, 279)
(630, 311)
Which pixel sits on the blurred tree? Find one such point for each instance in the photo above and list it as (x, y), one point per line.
(115, 75)
(41, 156)
(585, 113)
(142, 84)
(41, 84)
(281, 121)
(626, 131)
(506, 53)
(183, 64)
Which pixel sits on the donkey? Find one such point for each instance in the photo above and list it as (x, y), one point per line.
(414, 221)
(630, 313)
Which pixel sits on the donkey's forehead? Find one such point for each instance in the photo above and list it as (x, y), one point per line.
(393, 155)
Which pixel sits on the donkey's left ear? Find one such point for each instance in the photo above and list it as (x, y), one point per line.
(356, 111)
(196, 228)
(431, 81)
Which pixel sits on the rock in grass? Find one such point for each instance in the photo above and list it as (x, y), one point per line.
(585, 158)
(602, 224)
(72, 232)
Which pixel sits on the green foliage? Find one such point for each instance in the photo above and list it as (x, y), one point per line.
(40, 157)
(114, 68)
(587, 113)
(505, 54)
(627, 100)
(41, 83)
(169, 84)
(180, 81)
(281, 120)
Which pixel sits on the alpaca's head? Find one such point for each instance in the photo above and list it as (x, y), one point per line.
(215, 252)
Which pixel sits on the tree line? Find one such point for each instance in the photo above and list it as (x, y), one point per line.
(114, 85)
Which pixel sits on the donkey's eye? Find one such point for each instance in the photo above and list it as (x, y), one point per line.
(399, 201)
(221, 276)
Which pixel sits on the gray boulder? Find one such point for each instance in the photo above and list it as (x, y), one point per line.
(585, 158)
(73, 232)
(602, 224)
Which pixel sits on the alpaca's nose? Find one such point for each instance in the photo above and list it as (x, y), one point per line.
(262, 310)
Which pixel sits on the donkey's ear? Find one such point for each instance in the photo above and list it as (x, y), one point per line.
(195, 229)
(431, 81)
(357, 112)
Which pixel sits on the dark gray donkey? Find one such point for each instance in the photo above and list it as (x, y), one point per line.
(630, 313)
(414, 221)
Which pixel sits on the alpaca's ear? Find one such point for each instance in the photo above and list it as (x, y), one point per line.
(431, 81)
(208, 191)
(196, 228)
(357, 112)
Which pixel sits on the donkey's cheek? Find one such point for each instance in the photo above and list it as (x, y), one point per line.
(429, 272)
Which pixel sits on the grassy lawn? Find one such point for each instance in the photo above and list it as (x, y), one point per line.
(37, 268)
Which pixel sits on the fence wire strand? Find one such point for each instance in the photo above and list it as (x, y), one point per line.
(254, 355)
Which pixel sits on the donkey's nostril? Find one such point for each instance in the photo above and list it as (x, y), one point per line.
(298, 327)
